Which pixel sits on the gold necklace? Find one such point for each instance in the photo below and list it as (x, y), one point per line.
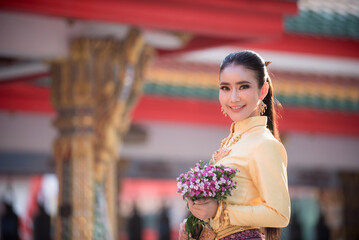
(224, 150)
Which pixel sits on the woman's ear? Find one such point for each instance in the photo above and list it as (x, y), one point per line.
(264, 90)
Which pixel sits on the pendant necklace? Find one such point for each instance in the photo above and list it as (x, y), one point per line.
(224, 150)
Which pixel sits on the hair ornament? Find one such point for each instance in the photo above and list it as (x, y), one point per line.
(266, 63)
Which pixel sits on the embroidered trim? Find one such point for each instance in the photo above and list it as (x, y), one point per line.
(226, 143)
(231, 230)
(246, 234)
(224, 218)
(219, 211)
(207, 234)
(223, 225)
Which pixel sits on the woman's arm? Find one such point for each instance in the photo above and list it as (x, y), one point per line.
(268, 170)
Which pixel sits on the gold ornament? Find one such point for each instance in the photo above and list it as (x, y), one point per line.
(219, 154)
(267, 63)
(262, 107)
(207, 233)
(223, 112)
(225, 149)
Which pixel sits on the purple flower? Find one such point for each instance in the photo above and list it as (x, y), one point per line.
(206, 181)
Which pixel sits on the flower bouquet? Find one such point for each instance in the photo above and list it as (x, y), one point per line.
(205, 181)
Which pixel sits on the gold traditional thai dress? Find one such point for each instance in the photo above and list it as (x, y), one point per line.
(261, 198)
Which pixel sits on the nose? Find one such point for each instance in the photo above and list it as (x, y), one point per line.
(235, 96)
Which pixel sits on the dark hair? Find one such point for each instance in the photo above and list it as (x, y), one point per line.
(251, 60)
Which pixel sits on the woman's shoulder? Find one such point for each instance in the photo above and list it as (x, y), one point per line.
(263, 139)
(253, 140)
(268, 147)
(260, 136)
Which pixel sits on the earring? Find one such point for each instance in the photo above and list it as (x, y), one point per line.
(262, 107)
(223, 112)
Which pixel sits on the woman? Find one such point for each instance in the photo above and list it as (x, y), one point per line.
(260, 205)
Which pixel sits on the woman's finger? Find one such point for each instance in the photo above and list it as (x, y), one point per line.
(200, 201)
(190, 202)
(204, 201)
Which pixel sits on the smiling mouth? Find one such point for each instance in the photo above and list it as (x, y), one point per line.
(236, 108)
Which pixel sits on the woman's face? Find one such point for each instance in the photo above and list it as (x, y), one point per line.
(239, 94)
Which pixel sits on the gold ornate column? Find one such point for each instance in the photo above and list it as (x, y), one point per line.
(93, 92)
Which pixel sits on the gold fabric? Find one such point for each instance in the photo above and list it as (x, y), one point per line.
(207, 234)
(261, 198)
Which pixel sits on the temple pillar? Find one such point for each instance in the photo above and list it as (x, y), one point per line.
(93, 92)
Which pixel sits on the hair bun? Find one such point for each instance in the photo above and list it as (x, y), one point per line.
(266, 63)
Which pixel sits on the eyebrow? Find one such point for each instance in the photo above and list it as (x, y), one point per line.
(238, 83)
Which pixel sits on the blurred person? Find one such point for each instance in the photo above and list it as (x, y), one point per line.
(135, 225)
(322, 229)
(42, 225)
(164, 225)
(260, 205)
(9, 224)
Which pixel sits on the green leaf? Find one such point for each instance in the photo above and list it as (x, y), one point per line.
(192, 227)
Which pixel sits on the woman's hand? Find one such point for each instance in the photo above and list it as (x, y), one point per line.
(182, 234)
(203, 208)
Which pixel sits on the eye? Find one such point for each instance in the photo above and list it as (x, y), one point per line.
(244, 87)
(224, 88)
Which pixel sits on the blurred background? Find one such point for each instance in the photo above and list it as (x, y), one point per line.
(104, 103)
